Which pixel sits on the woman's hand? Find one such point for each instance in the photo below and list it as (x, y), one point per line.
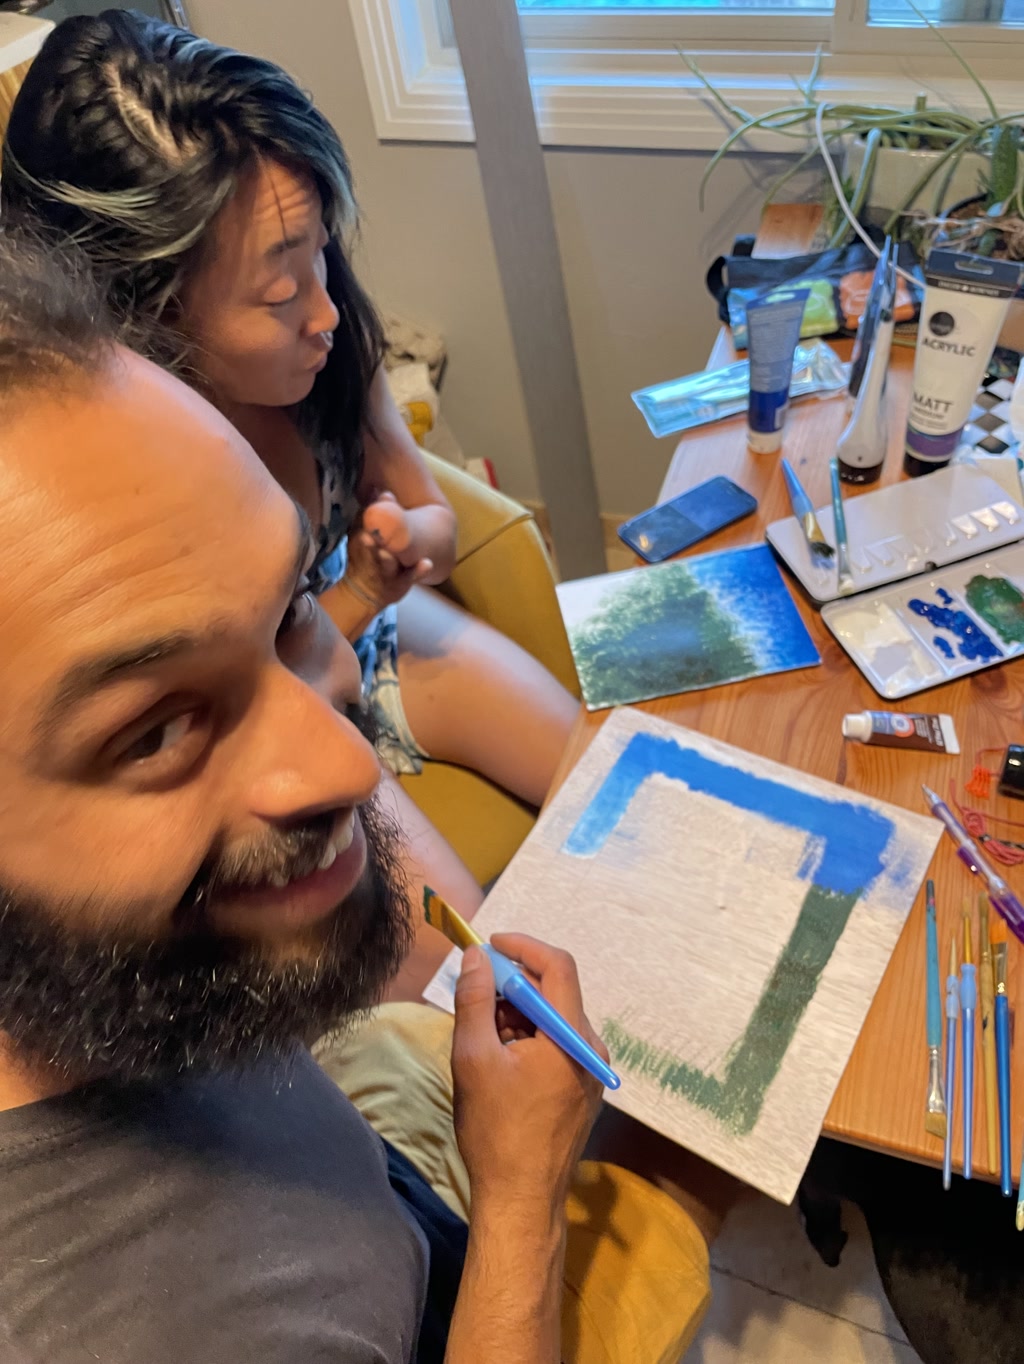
(397, 486)
(391, 528)
(382, 563)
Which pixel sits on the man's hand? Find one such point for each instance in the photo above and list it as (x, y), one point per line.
(523, 1109)
(522, 1114)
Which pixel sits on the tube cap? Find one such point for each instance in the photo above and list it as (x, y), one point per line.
(764, 442)
(857, 727)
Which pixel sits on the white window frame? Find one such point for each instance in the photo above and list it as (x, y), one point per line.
(617, 80)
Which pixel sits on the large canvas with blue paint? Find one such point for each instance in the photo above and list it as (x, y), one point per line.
(682, 626)
(732, 919)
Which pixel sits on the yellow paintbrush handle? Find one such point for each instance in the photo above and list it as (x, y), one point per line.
(439, 914)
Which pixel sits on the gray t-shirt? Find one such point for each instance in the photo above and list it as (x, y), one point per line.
(252, 1218)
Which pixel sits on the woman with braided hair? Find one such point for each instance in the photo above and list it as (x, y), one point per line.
(217, 204)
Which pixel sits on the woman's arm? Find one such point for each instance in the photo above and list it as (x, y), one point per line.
(419, 524)
(350, 611)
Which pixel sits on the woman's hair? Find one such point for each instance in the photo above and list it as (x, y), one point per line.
(129, 135)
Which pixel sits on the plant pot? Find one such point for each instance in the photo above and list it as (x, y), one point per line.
(969, 210)
(898, 168)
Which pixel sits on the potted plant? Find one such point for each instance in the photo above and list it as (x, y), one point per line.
(900, 168)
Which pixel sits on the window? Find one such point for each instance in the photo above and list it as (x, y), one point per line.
(613, 75)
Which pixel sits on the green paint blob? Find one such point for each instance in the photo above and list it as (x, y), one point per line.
(754, 1060)
(999, 604)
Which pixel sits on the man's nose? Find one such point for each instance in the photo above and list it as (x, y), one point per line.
(306, 756)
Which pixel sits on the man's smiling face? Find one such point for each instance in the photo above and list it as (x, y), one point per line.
(180, 775)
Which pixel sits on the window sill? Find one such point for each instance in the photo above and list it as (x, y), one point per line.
(622, 95)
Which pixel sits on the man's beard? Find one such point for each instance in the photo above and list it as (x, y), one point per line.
(113, 1008)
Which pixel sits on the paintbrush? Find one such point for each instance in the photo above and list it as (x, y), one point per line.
(803, 510)
(968, 1004)
(1000, 950)
(952, 1014)
(512, 984)
(987, 994)
(843, 574)
(935, 1108)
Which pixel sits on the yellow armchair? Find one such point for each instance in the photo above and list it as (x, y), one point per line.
(503, 575)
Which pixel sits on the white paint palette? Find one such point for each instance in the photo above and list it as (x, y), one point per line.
(936, 627)
(908, 528)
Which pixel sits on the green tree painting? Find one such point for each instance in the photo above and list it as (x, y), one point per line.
(656, 634)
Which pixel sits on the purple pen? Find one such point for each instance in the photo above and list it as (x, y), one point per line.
(1003, 899)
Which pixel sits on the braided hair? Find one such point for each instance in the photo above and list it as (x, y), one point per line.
(129, 135)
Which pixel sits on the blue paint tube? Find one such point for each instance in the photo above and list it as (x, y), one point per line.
(773, 324)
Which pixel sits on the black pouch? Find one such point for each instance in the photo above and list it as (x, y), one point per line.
(840, 281)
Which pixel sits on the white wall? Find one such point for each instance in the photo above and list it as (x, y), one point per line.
(634, 250)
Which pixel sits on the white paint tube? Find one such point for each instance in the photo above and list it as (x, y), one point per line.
(965, 305)
(894, 729)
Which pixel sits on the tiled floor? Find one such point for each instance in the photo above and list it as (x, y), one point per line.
(776, 1303)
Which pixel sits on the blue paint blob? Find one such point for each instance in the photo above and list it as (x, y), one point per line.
(944, 596)
(846, 841)
(944, 646)
(974, 643)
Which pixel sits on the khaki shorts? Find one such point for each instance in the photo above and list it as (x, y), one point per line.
(636, 1272)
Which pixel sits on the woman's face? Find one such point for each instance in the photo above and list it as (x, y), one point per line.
(258, 308)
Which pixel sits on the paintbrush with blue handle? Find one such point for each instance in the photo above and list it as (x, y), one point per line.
(952, 1015)
(968, 1004)
(844, 578)
(803, 510)
(935, 1108)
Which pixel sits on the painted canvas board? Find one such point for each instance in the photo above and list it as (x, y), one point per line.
(682, 626)
(731, 918)
(936, 627)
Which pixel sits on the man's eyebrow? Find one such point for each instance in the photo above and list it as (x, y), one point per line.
(92, 674)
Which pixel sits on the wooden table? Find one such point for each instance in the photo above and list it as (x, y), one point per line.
(795, 718)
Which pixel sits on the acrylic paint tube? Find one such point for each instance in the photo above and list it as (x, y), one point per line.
(894, 729)
(773, 327)
(965, 304)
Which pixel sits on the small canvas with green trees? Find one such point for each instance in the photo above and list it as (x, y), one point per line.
(683, 626)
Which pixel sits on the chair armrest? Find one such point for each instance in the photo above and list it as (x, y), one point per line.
(502, 570)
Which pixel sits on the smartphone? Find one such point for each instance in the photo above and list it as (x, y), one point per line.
(663, 531)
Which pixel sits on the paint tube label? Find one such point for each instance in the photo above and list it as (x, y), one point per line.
(894, 729)
(773, 324)
(965, 305)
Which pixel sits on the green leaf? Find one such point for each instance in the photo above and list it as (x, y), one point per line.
(958, 56)
(1003, 165)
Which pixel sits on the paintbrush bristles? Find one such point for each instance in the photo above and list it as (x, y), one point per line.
(968, 925)
(935, 1125)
